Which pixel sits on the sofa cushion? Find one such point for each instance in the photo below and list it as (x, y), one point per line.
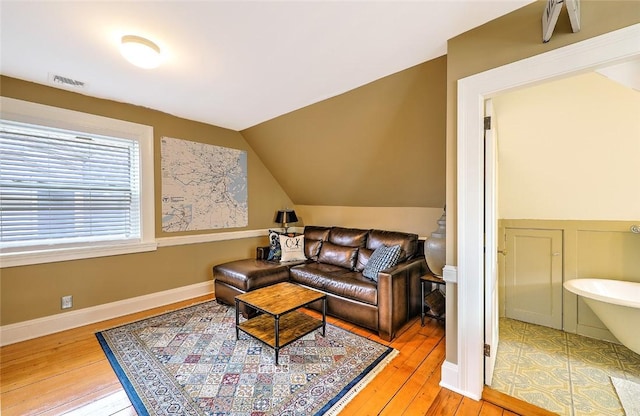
(382, 258)
(314, 232)
(336, 255)
(336, 280)
(314, 274)
(312, 248)
(249, 274)
(351, 237)
(407, 241)
(363, 258)
(292, 248)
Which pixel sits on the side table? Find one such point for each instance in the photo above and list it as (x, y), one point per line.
(424, 280)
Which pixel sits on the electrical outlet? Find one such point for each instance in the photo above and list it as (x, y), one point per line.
(67, 302)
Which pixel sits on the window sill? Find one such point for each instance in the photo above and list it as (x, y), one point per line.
(56, 255)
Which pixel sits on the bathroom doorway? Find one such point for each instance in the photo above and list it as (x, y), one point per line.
(553, 180)
(543, 198)
(466, 373)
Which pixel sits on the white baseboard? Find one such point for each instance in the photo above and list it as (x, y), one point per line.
(450, 379)
(449, 376)
(450, 274)
(21, 331)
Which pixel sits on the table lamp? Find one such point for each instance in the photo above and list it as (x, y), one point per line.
(286, 216)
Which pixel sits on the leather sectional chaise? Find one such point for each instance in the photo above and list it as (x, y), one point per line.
(335, 259)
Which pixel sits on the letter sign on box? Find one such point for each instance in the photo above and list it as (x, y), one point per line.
(550, 18)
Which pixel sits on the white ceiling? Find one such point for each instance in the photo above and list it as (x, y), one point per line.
(233, 64)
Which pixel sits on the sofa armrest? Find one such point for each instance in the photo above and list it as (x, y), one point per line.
(418, 265)
(262, 253)
(397, 288)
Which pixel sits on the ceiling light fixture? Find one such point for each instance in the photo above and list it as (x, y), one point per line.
(140, 52)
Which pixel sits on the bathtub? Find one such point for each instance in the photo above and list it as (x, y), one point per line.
(616, 303)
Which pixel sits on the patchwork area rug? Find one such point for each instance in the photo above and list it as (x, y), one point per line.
(188, 362)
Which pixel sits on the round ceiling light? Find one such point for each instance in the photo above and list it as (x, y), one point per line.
(140, 52)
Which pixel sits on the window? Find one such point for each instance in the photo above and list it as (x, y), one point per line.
(62, 187)
(68, 194)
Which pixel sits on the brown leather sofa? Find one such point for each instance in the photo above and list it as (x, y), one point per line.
(336, 258)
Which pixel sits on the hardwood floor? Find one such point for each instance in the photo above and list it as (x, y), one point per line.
(68, 374)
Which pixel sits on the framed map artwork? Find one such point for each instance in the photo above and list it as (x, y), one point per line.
(203, 186)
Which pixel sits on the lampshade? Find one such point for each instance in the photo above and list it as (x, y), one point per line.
(140, 52)
(286, 216)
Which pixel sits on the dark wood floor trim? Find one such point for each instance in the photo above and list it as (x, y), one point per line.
(513, 404)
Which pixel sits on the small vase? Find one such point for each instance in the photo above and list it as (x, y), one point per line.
(435, 247)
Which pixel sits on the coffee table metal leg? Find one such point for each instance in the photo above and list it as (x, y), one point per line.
(237, 319)
(277, 333)
(422, 303)
(324, 315)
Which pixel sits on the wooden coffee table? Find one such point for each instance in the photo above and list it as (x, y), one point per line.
(281, 322)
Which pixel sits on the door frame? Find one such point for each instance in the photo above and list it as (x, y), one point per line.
(467, 374)
(491, 330)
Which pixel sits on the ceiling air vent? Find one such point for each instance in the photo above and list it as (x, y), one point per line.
(66, 82)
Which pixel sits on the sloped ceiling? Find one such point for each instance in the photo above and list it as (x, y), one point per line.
(380, 145)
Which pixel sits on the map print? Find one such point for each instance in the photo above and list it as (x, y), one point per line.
(203, 186)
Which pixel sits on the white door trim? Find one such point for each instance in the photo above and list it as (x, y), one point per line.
(490, 244)
(610, 48)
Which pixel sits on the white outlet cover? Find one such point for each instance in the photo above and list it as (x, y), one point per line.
(67, 302)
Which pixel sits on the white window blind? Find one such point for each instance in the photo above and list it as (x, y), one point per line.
(63, 188)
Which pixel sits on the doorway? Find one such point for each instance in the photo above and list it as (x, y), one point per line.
(466, 376)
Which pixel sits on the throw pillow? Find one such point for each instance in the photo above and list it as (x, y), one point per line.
(275, 251)
(382, 258)
(292, 248)
(336, 255)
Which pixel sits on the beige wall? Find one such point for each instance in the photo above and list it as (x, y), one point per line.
(29, 292)
(380, 145)
(507, 39)
(568, 149)
(421, 221)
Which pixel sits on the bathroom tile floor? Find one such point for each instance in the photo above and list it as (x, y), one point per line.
(564, 373)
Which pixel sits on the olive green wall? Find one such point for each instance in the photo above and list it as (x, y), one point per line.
(380, 145)
(590, 249)
(29, 292)
(510, 38)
